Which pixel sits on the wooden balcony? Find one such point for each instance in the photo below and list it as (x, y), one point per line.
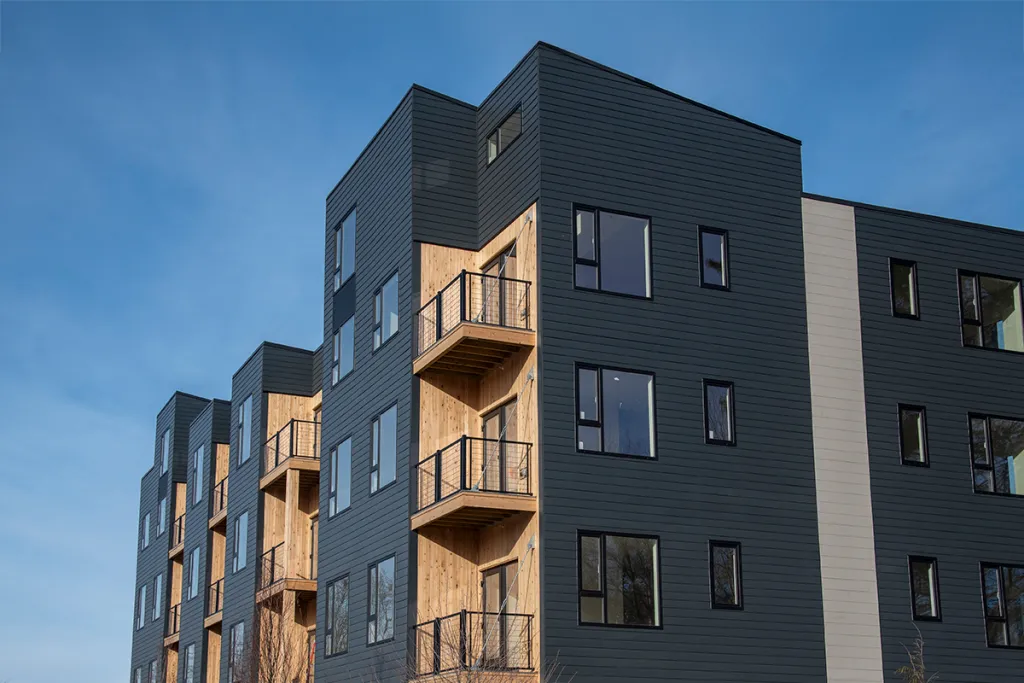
(177, 538)
(219, 509)
(296, 446)
(274, 577)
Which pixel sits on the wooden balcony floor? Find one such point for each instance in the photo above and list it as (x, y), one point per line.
(473, 349)
(473, 509)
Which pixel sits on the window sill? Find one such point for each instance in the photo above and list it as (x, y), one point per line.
(636, 297)
(631, 456)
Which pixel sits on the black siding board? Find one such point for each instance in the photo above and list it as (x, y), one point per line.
(287, 370)
(933, 511)
(647, 152)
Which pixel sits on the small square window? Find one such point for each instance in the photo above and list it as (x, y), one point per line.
(726, 575)
(714, 258)
(903, 288)
(504, 135)
(625, 242)
(719, 420)
(913, 436)
(924, 588)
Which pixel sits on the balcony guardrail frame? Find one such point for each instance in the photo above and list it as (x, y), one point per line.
(469, 655)
(173, 620)
(219, 497)
(297, 439)
(465, 445)
(178, 531)
(215, 597)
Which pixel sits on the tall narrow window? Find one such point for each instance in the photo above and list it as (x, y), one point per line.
(153, 672)
(380, 622)
(236, 649)
(241, 542)
(190, 663)
(714, 258)
(245, 430)
(344, 351)
(913, 435)
(344, 249)
(997, 454)
(924, 588)
(341, 477)
(612, 252)
(726, 575)
(165, 451)
(619, 581)
(385, 312)
(719, 418)
(1003, 597)
(138, 675)
(337, 617)
(503, 136)
(145, 530)
(140, 619)
(158, 596)
(197, 474)
(384, 449)
(614, 411)
(903, 288)
(161, 516)
(193, 574)
(990, 312)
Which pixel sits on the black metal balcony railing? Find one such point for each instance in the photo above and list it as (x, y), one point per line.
(215, 597)
(173, 620)
(476, 298)
(471, 464)
(272, 566)
(488, 641)
(220, 496)
(297, 439)
(178, 531)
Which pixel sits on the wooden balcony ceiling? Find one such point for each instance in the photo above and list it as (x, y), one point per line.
(473, 509)
(172, 640)
(473, 349)
(301, 586)
(176, 550)
(214, 620)
(219, 518)
(308, 468)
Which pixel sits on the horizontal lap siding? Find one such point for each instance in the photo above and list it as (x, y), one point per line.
(287, 370)
(934, 511)
(613, 143)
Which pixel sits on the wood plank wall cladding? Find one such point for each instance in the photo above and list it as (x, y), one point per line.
(223, 460)
(281, 408)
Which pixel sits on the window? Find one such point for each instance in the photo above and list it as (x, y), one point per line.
(714, 258)
(903, 288)
(241, 542)
(145, 531)
(384, 448)
(161, 516)
(618, 580)
(165, 451)
(1003, 592)
(192, 586)
(138, 675)
(385, 312)
(344, 351)
(990, 312)
(615, 411)
(236, 649)
(140, 618)
(625, 239)
(245, 430)
(190, 663)
(197, 474)
(344, 249)
(719, 420)
(380, 622)
(158, 596)
(913, 436)
(503, 136)
(337, 617)
(726, 575)
(924, 588)
(152, 672)
(341, 478)
(997, 454)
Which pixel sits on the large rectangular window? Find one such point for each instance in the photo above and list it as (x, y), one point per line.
(245, 430)
(344, 351)
(344, 249)
(236, 650)
(380, 621)
(241, 542)
(903, 288)
(190, 663)
(384, 449)
(719, 413)
(165, 451)
(714, 258)
(340, 478)
(145, 530)
(997, 454)
(503, 136)
(158, 596)
(618, 580)
(1003, 595)
(197, 474)
(913, 435)
(337, 617)
(140, 618)
(726, 575)
(161, 516)
(924, 588)
(614, 411)
(192, 584)
(612, 252)
(990, 312)
(385, 312)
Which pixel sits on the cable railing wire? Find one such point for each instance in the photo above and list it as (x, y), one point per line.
(473, 464)
(459, 641)
(297, 439)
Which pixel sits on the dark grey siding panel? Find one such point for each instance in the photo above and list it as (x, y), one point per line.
(933, 511)
(318, 366)
(443, 170)
(287, 370)
(186, 408)
(377, 526)
(610, 142)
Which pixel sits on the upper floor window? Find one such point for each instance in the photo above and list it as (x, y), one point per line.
(138, 675)
(192, 576)
(997, 454)
(340, 478)
(613, 252)
(380, 623)
(714, 258)
(145, 530)
(158, 596)
(924, 588)
(384, 449)
(503, 136)
(990, 312)
(385, 312)
(241, 545)
(140, 618)
(245, 430)
(344, 351)
(197, 474)
(903, 288)
(161, 516)
(726, 575)
(337, 617)
(614, 411)
(165, 451)
(1003, 595)
(236, 650)
(619, 581)
(913, 435)
(344, 249)
(719, 420)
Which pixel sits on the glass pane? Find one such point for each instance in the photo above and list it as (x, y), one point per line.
(718, 406)
(912, 435)
(1014, 598)
(338, 616)
(343, 475)
(627, 416)
(979, 441)
(903, 298)
(510, 130)
(588, 438)
(625, 243)
(492, 147)
(1007, 448)
(631, 591)
(585, 236)
(713, 259)
(386, 599)
(968, 298)
(590, 560)
(388, 445)
(586, 277)
(588, 394)
(389, 322)
(348, 246)
(922, 583)
(996, 632)
(972, 335)
(347, 347)
(983, 481)
(726, 575)
(591, 610)
(1001, 313)
(991, 584)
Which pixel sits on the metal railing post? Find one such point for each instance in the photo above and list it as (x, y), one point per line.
(437, 476)
(437, 646)
(462, 464)
(438, 325)
(463, 660)
(291, 438)
(462, 296)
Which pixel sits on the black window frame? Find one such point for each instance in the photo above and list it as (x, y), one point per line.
(722, 384)
(900, 408)
(599, 423)
(732, 545)
(724, 234)
(192, 573)
(144, 538)
(237, 544)
(911, 559)
(158, 597)
(373, 574)
(162, 511)
(332, 489)
(328, 627)
(339, 237)
(596, 261)
(502, 147)
(233, 646)
(581, 593)
(243, 416)
(165, 451)
(961, 273)
(337, 351)
(916, 315)
(375, 448)
(197, 466)
(378, 324)
(990, 455)
(1001, 618)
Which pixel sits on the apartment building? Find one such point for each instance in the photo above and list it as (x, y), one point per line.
(603, 391)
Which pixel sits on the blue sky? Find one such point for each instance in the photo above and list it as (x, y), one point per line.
(163, 169)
